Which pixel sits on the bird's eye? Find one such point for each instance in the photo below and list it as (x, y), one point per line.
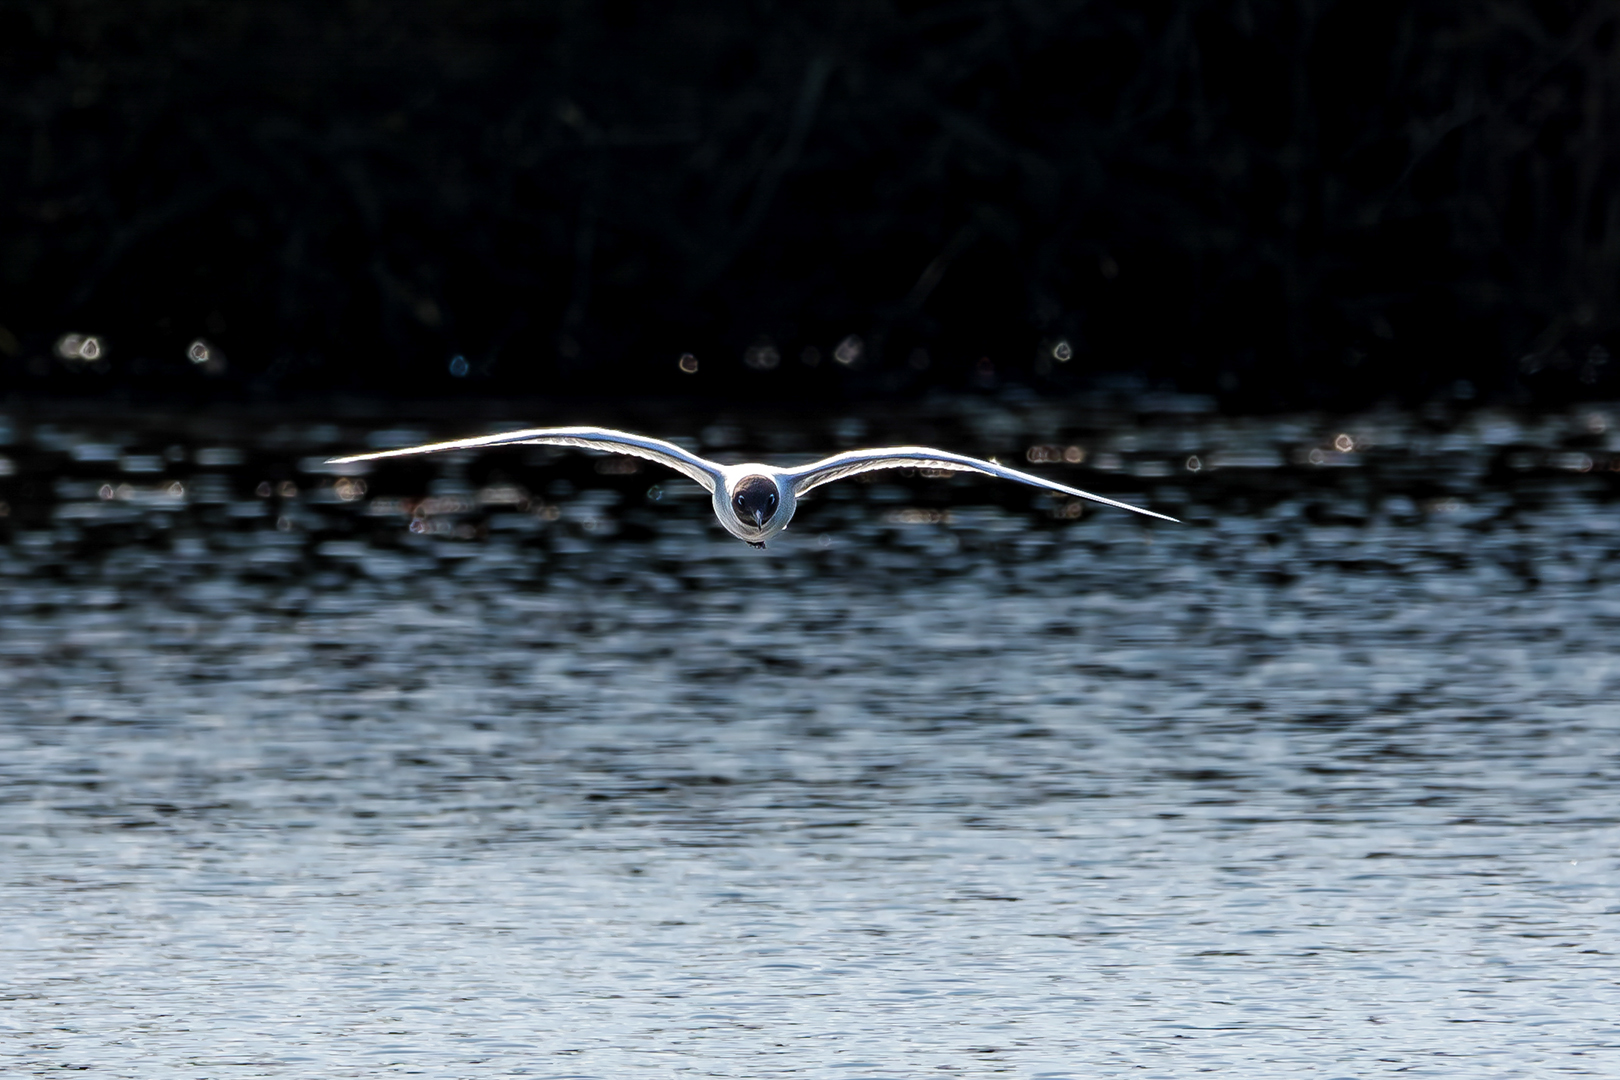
(770, 500)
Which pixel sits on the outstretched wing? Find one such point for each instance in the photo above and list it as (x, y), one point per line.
(682, 461)
(922, 457)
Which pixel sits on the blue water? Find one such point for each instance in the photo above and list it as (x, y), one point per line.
(948, 781)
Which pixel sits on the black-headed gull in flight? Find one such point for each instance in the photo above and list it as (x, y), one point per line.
(754, 502)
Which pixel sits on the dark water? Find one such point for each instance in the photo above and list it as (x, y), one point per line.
(948, 781)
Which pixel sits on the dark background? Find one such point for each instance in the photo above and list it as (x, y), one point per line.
(1281, 203)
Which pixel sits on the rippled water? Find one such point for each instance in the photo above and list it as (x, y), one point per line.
(567, 783)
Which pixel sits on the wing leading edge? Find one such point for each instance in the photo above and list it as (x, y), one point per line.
(683, 461)
(898, 457)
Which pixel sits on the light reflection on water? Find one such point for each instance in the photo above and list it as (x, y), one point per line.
(568, 783)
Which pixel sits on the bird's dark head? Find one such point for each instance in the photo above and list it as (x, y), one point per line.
(755, 500)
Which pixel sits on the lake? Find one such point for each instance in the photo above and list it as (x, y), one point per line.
(515, 764)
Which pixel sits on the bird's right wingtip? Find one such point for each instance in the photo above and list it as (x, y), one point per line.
(350, 459)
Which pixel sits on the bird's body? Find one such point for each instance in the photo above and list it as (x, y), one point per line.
(753, 501)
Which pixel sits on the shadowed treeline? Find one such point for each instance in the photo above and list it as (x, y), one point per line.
(1280, 203)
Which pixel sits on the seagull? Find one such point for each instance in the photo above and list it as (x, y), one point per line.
(754, 502)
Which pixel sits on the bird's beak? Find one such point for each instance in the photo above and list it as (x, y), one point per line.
(759, 518)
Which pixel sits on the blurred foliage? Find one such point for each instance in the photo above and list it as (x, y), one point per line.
(1282, 202)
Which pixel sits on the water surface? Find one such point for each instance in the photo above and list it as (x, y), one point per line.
(515, 764)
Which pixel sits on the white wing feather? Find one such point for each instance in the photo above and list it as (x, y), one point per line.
(682, 461)
(899, 457)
